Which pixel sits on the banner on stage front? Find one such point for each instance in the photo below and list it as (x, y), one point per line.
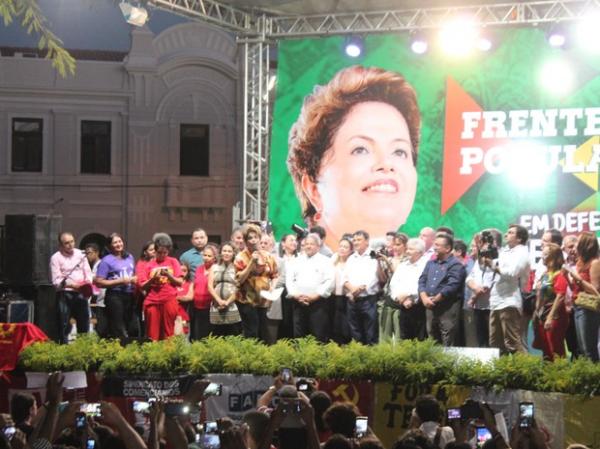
(395, 140)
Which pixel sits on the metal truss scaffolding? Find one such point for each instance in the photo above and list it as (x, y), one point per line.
(257, 31)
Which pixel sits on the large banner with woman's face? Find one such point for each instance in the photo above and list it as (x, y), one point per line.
(394, 140)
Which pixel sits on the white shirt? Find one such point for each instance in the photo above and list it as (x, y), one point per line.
(429, 428)
(310, 275)
(405, 280)
(427, 255)
(362, 270)
(513, 264)
(482, 278)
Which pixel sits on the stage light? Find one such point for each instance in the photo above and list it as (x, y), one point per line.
(134, 15)
(419, 44)
(354, 46)
(458, 36)
(557, 36)
(484, 44)
(557, 77)
(588, 33)
(527, 165)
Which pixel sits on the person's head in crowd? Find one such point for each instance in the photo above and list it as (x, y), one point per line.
(353, 152)
(427, 234)
(163, 245)
(399, 242)
(267, 243)
(445, 230)
(66, 242)
(227, 253)
(415, 248)
(370, 442)
(474, 248)
(252, 235)
(288, 245)
(210, 254)
(312, 244)
(389, 242)
(341, 418)
(553, 257)
(427, 408)
(587, 247)
(185, 271)
(320, 402)
(23, 409)
(443, 245)
(413, 439)
(117, 245)
(257, 422)
(345, 248)
(516, 235)
(460, 249)
(320, 230)
(148, 251)
(360, 241)
(569, 247)
(338, 441)
(199, 239)
(92, 252)
(455, 445)
(237, 237)
(552, 235)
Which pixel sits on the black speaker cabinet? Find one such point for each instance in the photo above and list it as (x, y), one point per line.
(30, 240)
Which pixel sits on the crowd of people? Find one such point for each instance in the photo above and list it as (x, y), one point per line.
(484, 294)
(291, 414)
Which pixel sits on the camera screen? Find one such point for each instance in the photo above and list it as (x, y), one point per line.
(525, 414)
(286, 374)
(91, 444)
(141, 406)
(90, 409)
(361, 426)
(453, 413)
(303, 387)
(210, 427)
(211, 441)
(9, 431)
(80, 421)
(483, 434)
(213, 389)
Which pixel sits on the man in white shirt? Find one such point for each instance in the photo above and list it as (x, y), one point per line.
(362, 280)
(512, 270)
(404, 290)
(309, 284)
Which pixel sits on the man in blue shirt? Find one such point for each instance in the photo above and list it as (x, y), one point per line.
(441, 287)
(193, 256)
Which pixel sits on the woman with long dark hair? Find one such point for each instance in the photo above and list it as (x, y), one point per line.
(224, 315)
(116, 273)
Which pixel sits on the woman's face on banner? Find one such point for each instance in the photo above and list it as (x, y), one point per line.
(367, 178)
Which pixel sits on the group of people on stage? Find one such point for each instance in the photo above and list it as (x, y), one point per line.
(430, 285)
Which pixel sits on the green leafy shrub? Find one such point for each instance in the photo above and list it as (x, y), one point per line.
(405, 362)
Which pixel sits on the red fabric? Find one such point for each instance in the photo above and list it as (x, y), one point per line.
(202, 297)
(161, 290)
(14, 337)
(553, 340)
(160, 319)
(560, 284)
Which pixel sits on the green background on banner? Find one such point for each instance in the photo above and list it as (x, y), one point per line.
(505, 79)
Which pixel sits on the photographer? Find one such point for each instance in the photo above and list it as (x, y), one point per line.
(426, 416)
(480, 282)
(512, 270)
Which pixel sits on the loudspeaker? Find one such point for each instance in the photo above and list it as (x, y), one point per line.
(30, 240)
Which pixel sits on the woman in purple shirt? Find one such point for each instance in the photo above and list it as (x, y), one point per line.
(116, 273)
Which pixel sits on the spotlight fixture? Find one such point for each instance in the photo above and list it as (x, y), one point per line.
(419, 44)
(459, 36)
(354, 46)
(588, 34)
(557, 36)
(134, 15)
(557, 77)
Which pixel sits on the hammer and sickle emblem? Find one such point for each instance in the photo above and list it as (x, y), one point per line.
(7, 330)
(348, 393)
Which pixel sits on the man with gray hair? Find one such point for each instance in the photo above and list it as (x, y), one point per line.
(309, 283)
(404, 288)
